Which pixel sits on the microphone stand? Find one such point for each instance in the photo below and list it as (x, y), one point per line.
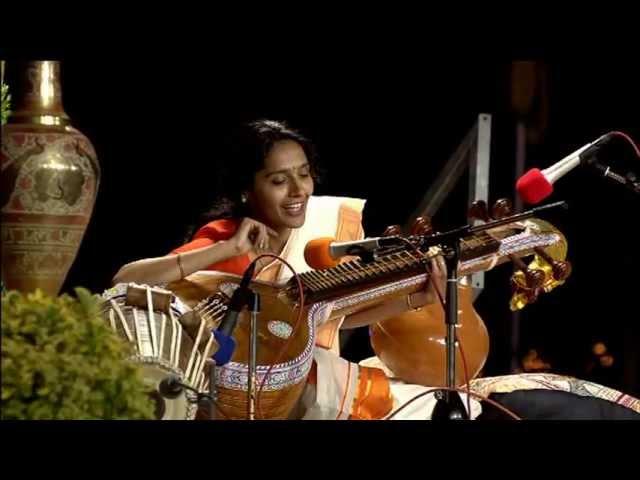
(212, 390)
(253, 355)
(449, 405)
(254, 298)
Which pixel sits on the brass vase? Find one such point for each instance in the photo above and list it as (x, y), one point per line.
(48, 184)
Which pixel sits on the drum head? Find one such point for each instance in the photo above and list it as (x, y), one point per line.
(148, 318)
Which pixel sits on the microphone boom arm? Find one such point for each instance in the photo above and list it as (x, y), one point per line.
(456, 234)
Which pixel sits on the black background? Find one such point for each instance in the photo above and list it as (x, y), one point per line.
(384, 124)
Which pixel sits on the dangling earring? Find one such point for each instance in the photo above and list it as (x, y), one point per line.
(243, 198)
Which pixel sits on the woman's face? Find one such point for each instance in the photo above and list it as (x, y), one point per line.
(283, 187)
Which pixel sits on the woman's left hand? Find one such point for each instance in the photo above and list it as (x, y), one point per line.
(438, 280)
(386, 310)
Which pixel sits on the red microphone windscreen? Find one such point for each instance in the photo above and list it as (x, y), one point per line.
(316, 253)
(533, 187)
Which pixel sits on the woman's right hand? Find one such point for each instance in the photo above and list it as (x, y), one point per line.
(252, 234)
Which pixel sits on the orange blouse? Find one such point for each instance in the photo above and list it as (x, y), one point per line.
(216, 231)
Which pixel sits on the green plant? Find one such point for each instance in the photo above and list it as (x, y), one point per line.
(60, 360)
(5, 103)
(5, 97)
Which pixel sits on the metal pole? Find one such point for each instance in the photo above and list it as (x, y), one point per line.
(253, 356)
(521, 156)
(212, 389)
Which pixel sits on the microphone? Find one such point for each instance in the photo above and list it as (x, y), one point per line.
(170, 387)
(536, 185)
(325, 252)
(223, 334)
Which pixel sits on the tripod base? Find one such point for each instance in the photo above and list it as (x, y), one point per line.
(449, 407)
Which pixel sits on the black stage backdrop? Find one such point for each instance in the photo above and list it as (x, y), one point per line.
(384, 126)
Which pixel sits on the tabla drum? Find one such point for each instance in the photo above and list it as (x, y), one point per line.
(149, 318)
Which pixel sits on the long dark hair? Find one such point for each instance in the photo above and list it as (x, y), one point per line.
(246, 150)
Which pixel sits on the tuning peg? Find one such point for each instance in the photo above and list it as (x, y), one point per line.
(516, 285)
(478, 211)
(522, 297)
(561, 269)
(422, 226)
(392, 230)
(528, 279)
(533, 278)
(502, 208)
(519, 300)
(532, 295)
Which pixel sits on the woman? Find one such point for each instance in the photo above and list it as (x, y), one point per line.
(266, 206)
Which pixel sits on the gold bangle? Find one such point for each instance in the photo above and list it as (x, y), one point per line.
(411, 307)
(180, 266)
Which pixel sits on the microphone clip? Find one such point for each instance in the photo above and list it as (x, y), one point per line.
(172, 387)
(386, 246)
(630, 180)
(366, 256)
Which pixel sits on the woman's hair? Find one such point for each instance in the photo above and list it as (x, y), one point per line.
(247, 148)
